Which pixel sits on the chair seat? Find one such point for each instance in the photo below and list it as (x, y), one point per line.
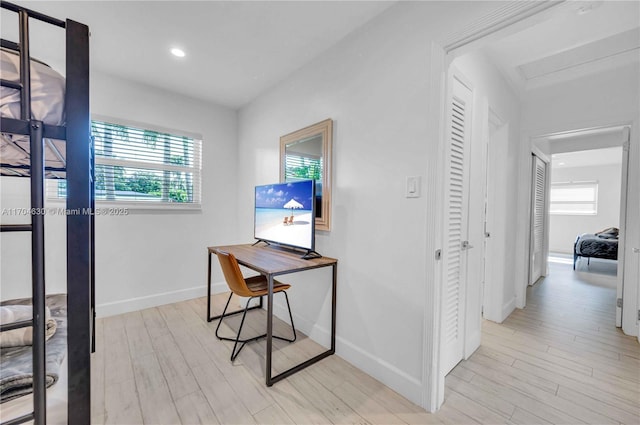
(258, 285)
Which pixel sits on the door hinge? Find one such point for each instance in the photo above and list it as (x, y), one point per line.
(619, 302)
(638, 314)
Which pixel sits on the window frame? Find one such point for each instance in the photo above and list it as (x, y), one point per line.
(592, 184)
(130, 204)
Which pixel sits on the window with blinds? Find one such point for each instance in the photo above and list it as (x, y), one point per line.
(145, 167)
(302, 167)
(574, 198)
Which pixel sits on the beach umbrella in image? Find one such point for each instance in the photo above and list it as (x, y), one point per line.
(293, 204)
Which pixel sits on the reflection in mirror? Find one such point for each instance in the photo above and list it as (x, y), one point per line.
(306, 154)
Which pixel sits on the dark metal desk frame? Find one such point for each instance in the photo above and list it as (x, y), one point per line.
(272, 261)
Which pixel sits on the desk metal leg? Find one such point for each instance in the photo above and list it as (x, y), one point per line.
(297, 368)
(209, 290)
(333, 307)
(269, 329)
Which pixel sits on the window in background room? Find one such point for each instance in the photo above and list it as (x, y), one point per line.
(574, 198)
(144, 167)
(300, 166)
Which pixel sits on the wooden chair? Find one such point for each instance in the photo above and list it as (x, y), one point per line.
(252, 287)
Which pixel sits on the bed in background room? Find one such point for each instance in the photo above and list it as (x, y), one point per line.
(603, 244)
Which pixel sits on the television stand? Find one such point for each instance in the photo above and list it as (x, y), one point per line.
(311, 254)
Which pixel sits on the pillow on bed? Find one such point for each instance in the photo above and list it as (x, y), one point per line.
(22, 336)
(608, 233)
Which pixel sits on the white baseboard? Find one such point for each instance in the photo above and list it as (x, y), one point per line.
(508, 308)
(140, 303)
(401, 382)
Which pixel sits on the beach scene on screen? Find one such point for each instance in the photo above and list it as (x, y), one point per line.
(283, 214)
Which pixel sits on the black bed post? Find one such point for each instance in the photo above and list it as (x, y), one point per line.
(37, 228)
(78, 223)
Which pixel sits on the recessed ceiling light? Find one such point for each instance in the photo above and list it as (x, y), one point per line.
(560, 163)
(178, 52)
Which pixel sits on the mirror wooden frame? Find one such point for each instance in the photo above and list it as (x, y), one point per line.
(325, 130)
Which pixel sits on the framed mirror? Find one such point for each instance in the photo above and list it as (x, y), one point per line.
(306, 154)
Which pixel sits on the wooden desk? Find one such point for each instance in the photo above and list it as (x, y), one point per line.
(272, 261)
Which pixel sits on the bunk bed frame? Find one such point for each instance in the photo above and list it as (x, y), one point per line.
(80, 227)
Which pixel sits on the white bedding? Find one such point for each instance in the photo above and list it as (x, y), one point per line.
(56, 402)
(47, 105)
(47, 90)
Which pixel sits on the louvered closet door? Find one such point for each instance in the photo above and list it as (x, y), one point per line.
(459, 126)
(538, 219)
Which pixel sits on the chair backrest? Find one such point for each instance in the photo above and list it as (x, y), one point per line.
(233, 275)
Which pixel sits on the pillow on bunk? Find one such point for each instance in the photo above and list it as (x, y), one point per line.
(47, 90)
(608, 233)
(22, 336)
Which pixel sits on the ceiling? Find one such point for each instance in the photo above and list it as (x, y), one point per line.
(576, 38)
(235, 50)
(590, 158)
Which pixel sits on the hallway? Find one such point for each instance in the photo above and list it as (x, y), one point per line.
(559, 360)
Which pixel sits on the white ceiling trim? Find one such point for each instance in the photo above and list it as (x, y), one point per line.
(581, 55)
(503, 17)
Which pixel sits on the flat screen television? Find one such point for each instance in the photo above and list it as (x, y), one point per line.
(285, 214)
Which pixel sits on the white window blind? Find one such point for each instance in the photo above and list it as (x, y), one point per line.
(144, 167)
(298, 166)
(574, 198)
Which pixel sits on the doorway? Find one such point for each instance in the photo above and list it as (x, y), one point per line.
(587, 195)
(518, 164)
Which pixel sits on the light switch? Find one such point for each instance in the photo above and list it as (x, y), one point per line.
(413, 187)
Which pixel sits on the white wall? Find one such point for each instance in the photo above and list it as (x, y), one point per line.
(563, 229)
(492, 91)
(596, 100)
(146, 258)
(375, 85)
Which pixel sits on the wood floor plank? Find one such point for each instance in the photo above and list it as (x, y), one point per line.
(522, 417)
(487, 365)
(369, 409)
(297, 406)
(600, 406)
(473, 409)
(137, 335)
(156, 403)
(326, 402)
(194, 409)
(98, 378)
(174, 367)
(273, 415)
(519, 395)
(491, 401)
(117, 359)
(225, 403)
(121, 403)
(154, 322)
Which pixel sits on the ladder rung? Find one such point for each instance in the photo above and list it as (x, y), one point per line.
(15, 228)
(16, 325)
(10, 84)
(8, 44)
(20, 419)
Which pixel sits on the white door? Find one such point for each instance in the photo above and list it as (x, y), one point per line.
(494, 231)
(624, 187)
(538, 219)
(456, 244)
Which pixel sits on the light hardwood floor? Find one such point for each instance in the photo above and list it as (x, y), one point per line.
(560, 360)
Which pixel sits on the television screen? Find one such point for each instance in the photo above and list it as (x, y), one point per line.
(285, 214)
